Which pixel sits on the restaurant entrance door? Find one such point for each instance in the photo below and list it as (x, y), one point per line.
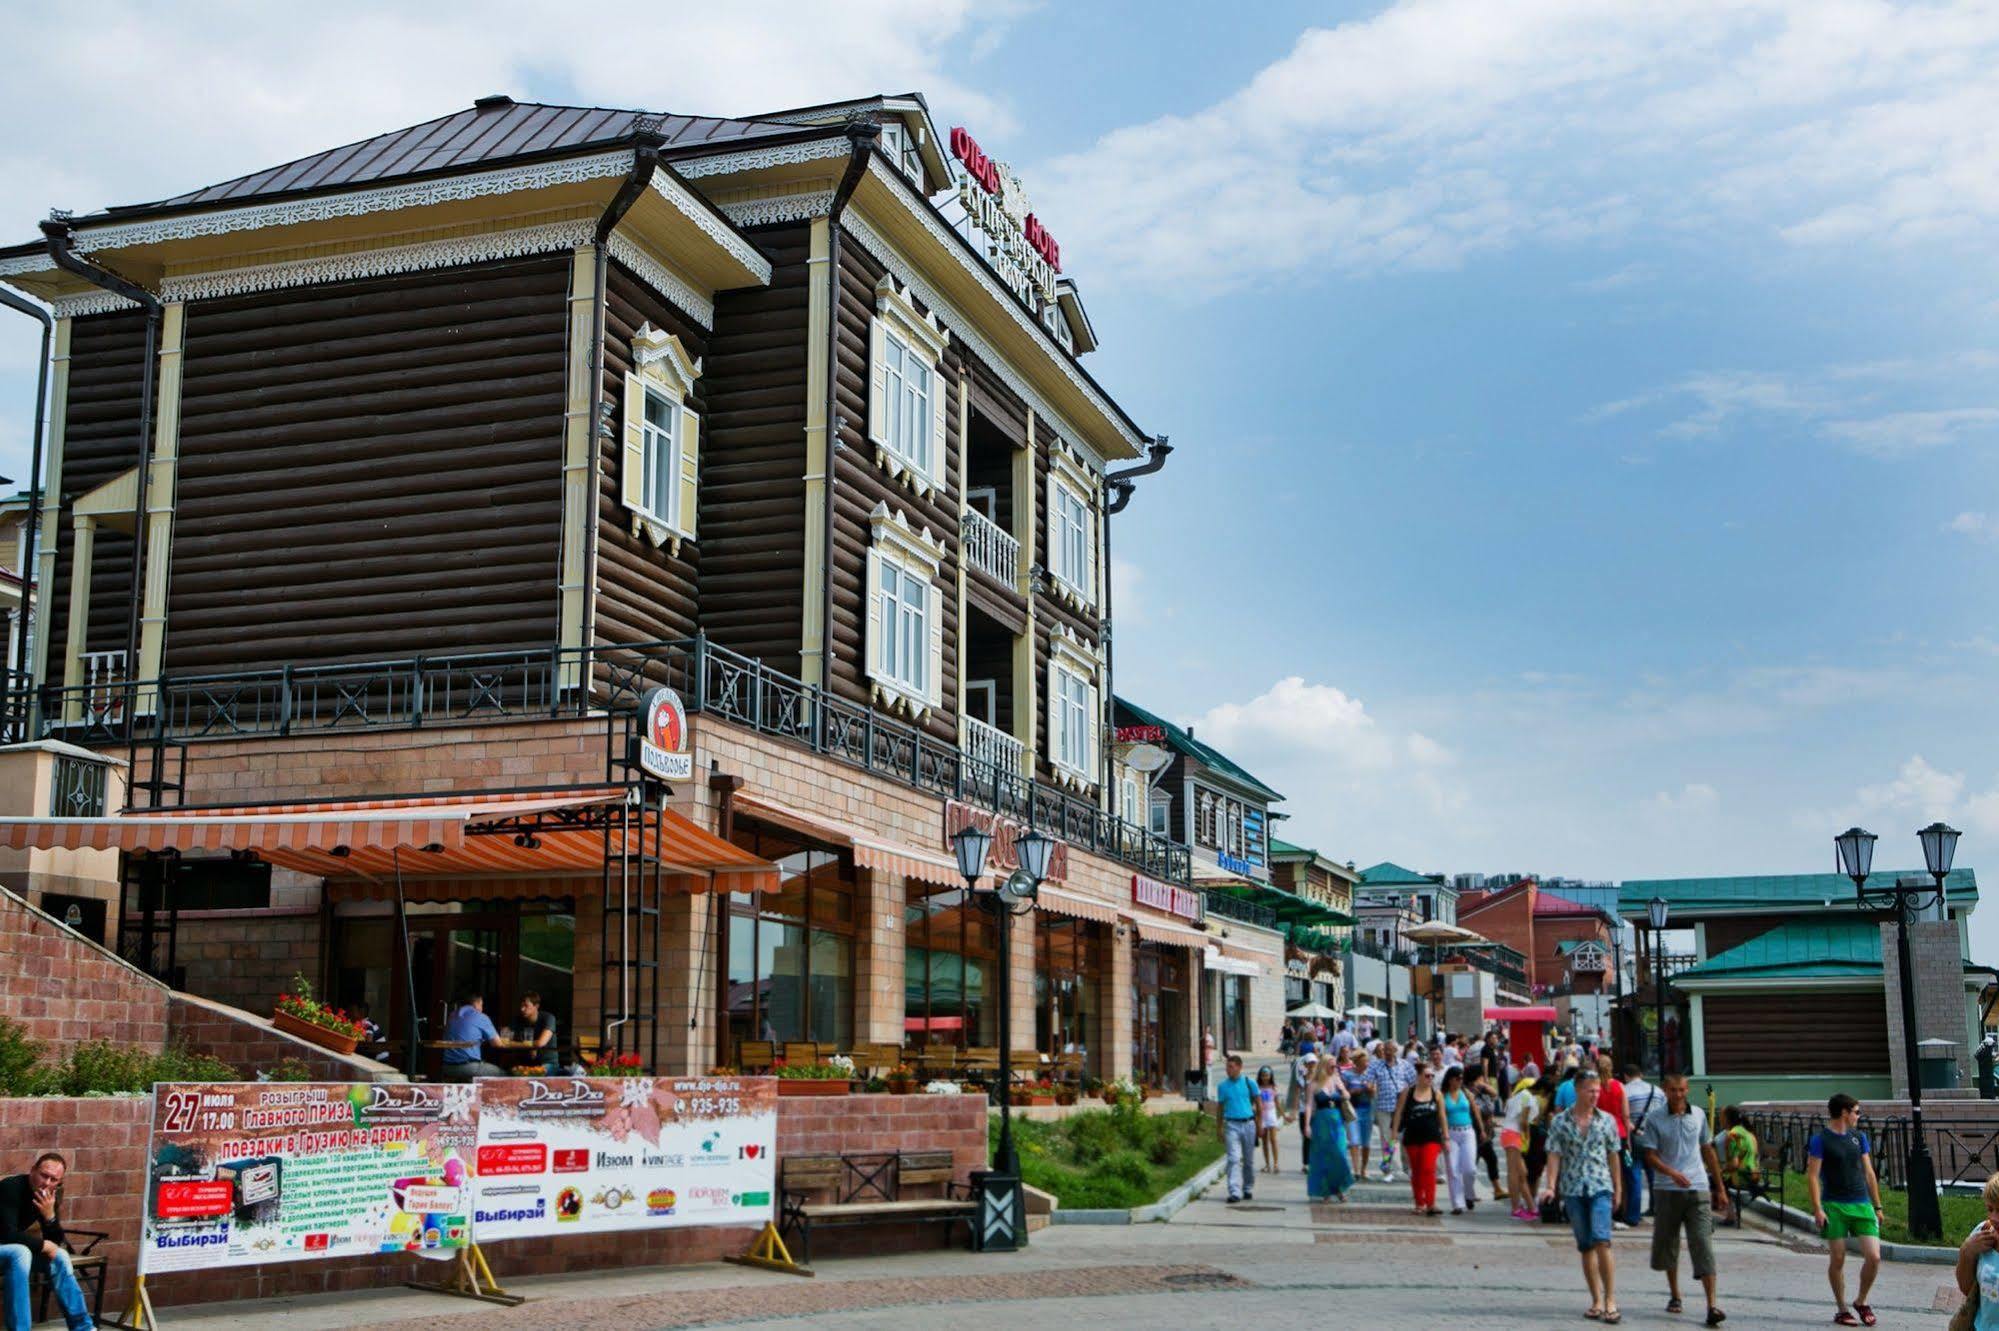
(1159, 1041)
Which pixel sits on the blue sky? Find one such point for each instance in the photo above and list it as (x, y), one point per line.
(1586, 416)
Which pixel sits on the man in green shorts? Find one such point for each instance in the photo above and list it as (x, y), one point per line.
(1846, 1203)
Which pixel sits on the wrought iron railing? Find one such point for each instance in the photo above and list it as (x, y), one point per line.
(990, 547)
(442, 690)
(77, 787)
(1235, 908)
(1964, 1147)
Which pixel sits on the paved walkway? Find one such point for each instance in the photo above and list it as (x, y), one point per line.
(1272, 1260)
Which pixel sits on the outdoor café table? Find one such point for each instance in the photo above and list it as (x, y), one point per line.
(512, 1054)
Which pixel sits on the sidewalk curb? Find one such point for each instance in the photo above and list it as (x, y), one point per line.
(1163, 1209)
(1914, 1253)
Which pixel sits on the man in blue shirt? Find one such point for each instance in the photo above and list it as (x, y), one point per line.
(1237, 1098)
(471, 1027)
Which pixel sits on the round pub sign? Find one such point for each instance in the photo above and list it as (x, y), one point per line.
(663, 744)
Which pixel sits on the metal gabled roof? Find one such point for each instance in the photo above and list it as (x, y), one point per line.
(1773, 892)
(1182, 740)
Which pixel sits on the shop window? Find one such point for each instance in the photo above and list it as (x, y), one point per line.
(907, 409)
(791, 952)
(949, 967)
(1235, 1012)
(905, 629)
(660, 472)
(1067, 960)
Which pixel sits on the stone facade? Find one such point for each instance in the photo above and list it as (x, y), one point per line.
(1937, 957)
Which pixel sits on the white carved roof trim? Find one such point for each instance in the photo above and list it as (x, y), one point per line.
(696, 210)
(757, 159)
(779, 208)
(661, 276)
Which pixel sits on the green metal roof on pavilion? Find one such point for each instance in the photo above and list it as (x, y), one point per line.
(1179, 739)
(1290, 907)
(1828, 949)
(1774, 892)
(1388, 873)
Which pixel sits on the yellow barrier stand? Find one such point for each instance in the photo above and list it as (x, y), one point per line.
(139, 1316)
(471, 1279)
(770, 1253)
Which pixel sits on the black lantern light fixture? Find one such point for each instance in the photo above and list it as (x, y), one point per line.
(1657, 911)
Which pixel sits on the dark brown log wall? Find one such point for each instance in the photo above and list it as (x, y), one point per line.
(100, 440)
(1819, 1033)
(753, 461)
(860, 484)
(1731, 931)
(371, 469)
(644, 593)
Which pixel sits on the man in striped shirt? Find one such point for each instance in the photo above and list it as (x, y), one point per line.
(1389, 1075)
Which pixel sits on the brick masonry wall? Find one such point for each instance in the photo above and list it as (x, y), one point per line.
(66, 989)
(1938, 962)
(105, 1141)
(249, 1043)
(248, 958)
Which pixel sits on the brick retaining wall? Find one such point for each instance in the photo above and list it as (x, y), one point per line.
(66, 989)
(105, 1140)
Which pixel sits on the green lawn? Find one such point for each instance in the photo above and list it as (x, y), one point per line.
(1113, 1158)
(1960, 1214)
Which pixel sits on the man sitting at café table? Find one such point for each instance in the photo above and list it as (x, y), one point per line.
(470, 1029)
(535, 1032)
(31, 1241)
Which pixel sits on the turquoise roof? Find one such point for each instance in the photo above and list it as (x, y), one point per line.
(1387, 872)
(1568, 945)
(1822, 949)
(1286, 848)
(1182, 741)
(1773, 892)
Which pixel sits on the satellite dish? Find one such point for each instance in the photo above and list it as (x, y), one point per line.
(1146, 758)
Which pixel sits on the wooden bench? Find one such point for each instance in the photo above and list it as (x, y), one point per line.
(868, 1189)
(89, 1273)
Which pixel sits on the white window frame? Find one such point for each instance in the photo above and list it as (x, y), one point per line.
(661, 462)
(659, 485)
(1073, 699)
(907, 411)
(1161, 822)
(905, 614)
(1072, 529)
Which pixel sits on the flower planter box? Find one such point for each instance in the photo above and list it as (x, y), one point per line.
(319, 1035)
(811, 1086)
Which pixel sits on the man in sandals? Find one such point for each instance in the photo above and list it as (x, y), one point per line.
(1846, 1203)
(1585, 1159)
(1686, 1191)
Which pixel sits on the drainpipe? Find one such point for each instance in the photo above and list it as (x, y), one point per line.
(861, 136)
(1120, 482)
(647, 137)
(60, 239)
(33, 311)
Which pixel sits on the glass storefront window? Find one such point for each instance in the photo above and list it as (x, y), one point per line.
(791, 952)
(948, 959)
(1235, 1012)
(1066, 967)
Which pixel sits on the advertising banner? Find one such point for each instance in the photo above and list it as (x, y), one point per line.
(242, 1174)
(580, 1155)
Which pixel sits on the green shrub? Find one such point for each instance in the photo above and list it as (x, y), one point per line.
(97, 1067)
(180, 1063)
(1125, 1167)
(19, 1056)
(285, 1069)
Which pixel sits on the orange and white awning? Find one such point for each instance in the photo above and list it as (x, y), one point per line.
(1081, 908)
(448, 836)
(877, 853)
(1153, 931)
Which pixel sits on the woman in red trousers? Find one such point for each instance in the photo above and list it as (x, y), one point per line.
(1419, 1123)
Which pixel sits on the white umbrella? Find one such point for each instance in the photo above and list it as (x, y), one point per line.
(1436, 931)
(1312, 1010)
(1365, 1010)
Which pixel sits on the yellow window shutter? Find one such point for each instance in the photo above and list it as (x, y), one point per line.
(878, 382)
(632, 470)
(872, 648)
(935, 619)
(940, 428)
(690, 471)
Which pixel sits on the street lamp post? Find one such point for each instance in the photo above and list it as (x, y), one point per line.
(1002, 1210)
(1903, 901)
(1656, 911)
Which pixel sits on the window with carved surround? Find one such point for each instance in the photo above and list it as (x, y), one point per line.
(1072, 710)
(908, 398)
(659, 480)
(1072, 529)
(905, 625)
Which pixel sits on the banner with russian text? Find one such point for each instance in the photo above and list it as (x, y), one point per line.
(580, 1155)
(240, 1174)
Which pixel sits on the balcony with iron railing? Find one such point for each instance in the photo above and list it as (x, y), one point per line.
(991, 548)
(1244, 912)
(417, 692)
(992, 746)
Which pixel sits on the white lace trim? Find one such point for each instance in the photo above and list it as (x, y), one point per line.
(664, 280)
(780, 208)
(695, 210)
(898, 188)
(26, 263)
(354, 203)
(89, 302)
(446, 253)
(755, 159)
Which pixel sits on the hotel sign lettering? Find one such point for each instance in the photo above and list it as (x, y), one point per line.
(1141, 734)
(1166, 897)
(1005, 833)
(1025, 255)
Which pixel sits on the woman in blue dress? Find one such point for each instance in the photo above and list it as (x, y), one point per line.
(1331, 1175)
(1978, 1264)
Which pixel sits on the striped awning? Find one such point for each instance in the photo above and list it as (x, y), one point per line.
(871, 851)
(1222, 963)
(1080, 908)
(1154, 932)
(538, 834)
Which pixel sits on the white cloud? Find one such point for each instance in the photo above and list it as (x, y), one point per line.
(1978, 526)
(1911, 431)
(1918, 788)
(1293, 717)
(1438, 130)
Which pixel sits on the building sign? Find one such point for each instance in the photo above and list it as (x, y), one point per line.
(1140, 734)
(1022, 252)
(663, 743)
(585, 1155)
(244, 1174)
(1238, 864)
(1005, 833)
(1589, 958)
(1166, 897)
